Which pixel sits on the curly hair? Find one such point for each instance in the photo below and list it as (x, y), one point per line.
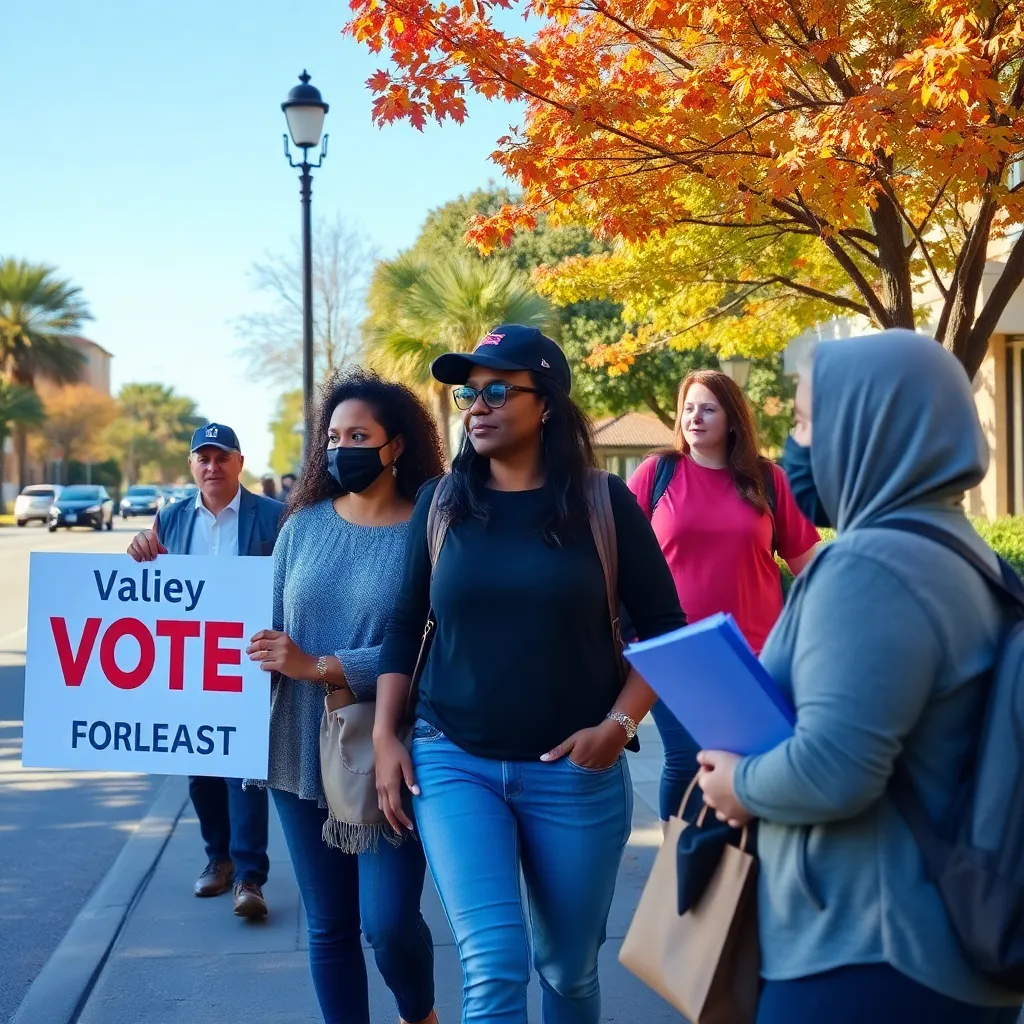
(397, 409)
(568, 453)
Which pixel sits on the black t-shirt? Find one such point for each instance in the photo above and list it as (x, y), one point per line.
(523, 654)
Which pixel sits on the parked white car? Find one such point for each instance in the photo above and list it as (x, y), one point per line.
(34, 502)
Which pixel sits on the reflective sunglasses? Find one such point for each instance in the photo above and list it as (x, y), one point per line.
(494, 395)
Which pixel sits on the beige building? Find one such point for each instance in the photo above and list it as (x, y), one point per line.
(95, 373)
(998, 390)
(621, 443)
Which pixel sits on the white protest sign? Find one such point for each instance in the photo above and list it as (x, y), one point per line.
(141, 667)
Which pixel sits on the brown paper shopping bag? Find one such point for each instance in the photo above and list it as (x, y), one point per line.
(706, 962)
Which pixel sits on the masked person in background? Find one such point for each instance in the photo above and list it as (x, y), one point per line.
(882, 649)
(224, 519)
(721, 512)
(337, 569)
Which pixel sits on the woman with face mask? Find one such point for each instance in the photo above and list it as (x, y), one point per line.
(882, 650)
(724, 515)
(517, 764)
(337, 568)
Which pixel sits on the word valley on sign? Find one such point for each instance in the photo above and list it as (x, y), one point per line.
(148, 590)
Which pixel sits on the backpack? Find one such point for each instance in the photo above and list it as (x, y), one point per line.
(665, 470)
(975, 857)
(602, 526)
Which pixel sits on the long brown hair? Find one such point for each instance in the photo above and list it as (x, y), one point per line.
(745, 462)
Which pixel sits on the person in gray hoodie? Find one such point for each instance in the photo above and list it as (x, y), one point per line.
(876, 649)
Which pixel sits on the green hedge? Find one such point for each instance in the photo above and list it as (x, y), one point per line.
(1006, 537)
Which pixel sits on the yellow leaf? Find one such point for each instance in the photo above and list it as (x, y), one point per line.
(398, 24)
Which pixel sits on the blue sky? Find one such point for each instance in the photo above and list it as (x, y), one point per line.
(143, 158)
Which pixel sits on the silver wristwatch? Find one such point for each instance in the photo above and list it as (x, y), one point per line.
(625, 721)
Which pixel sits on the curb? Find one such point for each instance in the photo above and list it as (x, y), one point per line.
(60, 991)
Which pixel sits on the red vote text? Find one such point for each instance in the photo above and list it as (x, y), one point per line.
(130, 664)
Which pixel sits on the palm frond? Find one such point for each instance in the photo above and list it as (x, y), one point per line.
(421, 310)
(19, 406)
(38, 312)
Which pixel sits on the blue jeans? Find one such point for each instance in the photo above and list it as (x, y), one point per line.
(564, 828)
(680, 760)
(868, 992)
(233, 823)
(381, 890)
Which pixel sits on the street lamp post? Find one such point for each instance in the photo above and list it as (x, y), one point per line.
(305, 111)
(737, 369)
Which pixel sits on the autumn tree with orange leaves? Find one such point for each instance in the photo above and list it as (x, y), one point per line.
(835, 157)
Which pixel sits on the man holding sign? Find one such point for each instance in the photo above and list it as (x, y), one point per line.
(224, 519)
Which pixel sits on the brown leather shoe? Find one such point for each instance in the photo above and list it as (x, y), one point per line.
(216, 878)
(432, 1019)
(249, 901)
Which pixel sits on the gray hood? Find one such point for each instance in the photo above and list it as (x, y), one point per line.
(895, 428)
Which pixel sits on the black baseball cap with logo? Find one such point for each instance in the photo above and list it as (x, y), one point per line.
(508, 347)
(215, 435)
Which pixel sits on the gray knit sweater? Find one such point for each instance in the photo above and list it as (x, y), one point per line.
(334, 588)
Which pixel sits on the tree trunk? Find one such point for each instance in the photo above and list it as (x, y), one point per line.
(897, 293)
(652, 403)
(21, 451)
(3, 506)
(958, 313)
(443, 411)
(975, 346)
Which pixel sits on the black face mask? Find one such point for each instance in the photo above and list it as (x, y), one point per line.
(796, 461)
(355, 469)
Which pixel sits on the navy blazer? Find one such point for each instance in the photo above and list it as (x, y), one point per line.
(259, 522)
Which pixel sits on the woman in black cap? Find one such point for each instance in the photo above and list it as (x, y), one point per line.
(522, 715)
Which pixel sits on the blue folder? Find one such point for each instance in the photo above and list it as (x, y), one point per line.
(710, 679)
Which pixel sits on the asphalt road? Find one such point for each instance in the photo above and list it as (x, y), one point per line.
(59, 831)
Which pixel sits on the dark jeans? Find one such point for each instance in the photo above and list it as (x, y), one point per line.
(233, 822)
(876, 993)
(383, 888)
(680, 760)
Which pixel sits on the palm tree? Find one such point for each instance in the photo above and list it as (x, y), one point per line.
(19, 407)
(420, 309)
(38, 312)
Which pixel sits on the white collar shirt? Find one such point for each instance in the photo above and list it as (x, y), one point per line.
(215, 534)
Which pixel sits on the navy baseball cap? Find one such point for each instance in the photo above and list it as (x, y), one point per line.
(508, 347)
(215, 435)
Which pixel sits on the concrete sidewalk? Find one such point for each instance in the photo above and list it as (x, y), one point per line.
(179, 960)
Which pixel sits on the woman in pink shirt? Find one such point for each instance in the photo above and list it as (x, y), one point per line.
(725, 513)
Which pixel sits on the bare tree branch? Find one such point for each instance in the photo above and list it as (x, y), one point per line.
(342, 262)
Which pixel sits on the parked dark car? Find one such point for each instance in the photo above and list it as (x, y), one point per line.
(82, 505)
(181, 494)
(141, 500)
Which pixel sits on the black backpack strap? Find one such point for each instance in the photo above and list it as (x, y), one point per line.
(1006, 582)
(663, 473)
(934, 840)
(769, 493)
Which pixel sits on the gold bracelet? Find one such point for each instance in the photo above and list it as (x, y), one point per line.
(321, 667)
